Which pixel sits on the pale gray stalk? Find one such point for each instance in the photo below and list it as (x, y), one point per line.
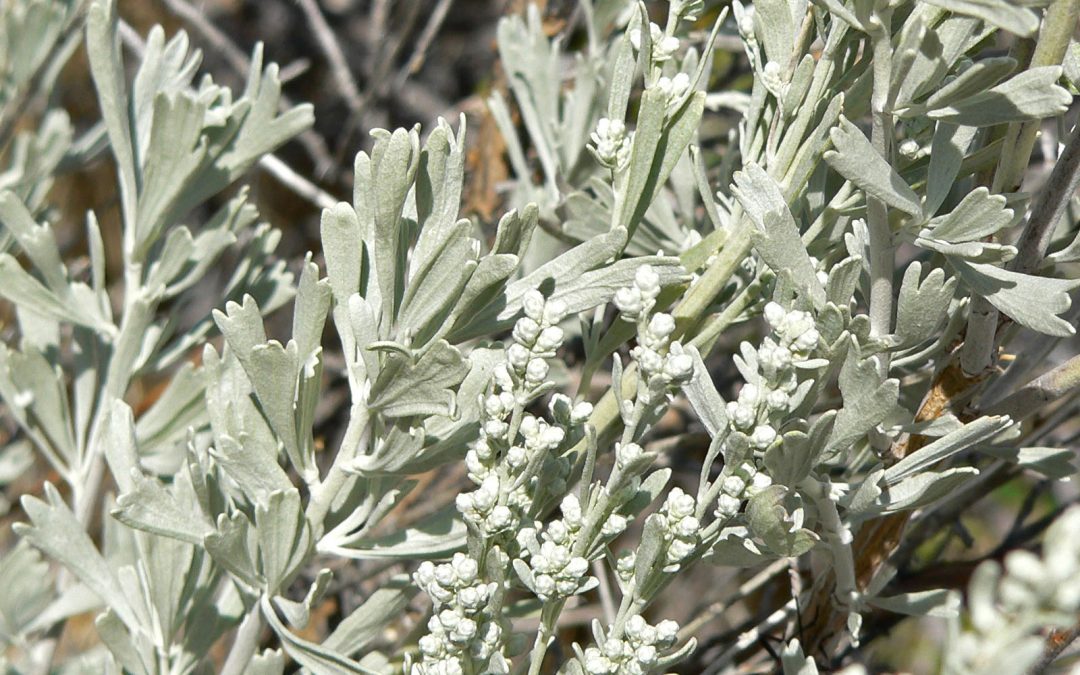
(1044, 389)
(977, 353)
(245, 643)
(882, 257)
(339, 65)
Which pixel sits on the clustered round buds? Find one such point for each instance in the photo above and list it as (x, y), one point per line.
(673, 88)
(481, 506)
(737, 484)
(681, 527)
(611, 143)
(663, 46)
(794, 329)
(554, 569)
(639, 298)
(637, 652)
(460, 626)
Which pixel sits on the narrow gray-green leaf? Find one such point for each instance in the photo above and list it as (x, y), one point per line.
(855, 159)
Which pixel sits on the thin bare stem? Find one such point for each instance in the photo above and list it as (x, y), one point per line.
(1057, 643)
(330, 47)
(423, 43)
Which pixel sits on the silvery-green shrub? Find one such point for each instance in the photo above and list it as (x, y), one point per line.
(868, 212)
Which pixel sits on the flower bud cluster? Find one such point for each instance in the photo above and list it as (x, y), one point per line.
(664, 364)
(496, 461)
(461, 626)
(1007, 605)
(1048, 583)
(772, 76)
(680, 528)
(611, 143)
(664, 46)
(673, 88)
(536, 338)
(637, 652)
(513, 449)
(738, 484)
(556, 572)
(763, 403)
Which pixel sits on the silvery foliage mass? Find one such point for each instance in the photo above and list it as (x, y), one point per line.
(632, 231)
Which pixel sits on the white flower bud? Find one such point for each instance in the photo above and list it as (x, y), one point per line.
(533, 305)
(611, 143)
(648, 360)
(526, 331)
(763, 436)
(679, 549)
(551, 437)
(673, 88)
(679, 368)
(908, 149)
(759, 482)
(501, 518)
(518, 356)
(667, 631)
(777, 400)
(647, 281)
(571, 511)
(613, 526)
(465, 568)
(808, 341)
(502, 378)
(742, 416)
(529, 427)
(775, 315)
(549, 339)
(679, 504)
(614, 648)
(661, 326)
(645, 655)
(536, 372)
(727, 506)
(733, 485)
(629, 302)
(554, 312)
(581, 412)
(516, 457)
(628, 453)
(496, 428)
